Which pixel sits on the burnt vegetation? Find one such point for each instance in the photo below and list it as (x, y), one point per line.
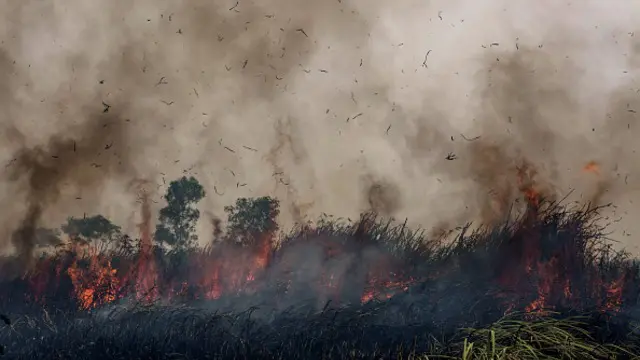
(543, 285)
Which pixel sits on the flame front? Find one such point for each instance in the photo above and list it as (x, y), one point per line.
(535, 273)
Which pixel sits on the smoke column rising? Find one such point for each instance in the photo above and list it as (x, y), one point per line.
(332, 106)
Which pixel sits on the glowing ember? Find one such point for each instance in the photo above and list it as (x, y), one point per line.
(592, 167)
(613, 296)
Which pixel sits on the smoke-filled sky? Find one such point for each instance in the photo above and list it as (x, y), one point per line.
(418, 109)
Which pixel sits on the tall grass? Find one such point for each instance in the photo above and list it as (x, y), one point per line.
(466, 299)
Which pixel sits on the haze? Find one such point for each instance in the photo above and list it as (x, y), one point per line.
(417, 109)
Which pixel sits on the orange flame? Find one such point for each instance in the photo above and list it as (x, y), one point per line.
(95, 285)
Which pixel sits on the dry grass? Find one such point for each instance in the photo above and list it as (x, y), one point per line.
(458, 314)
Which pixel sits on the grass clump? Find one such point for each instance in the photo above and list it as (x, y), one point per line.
(546, 337)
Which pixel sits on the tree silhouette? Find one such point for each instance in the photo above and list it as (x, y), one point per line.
(250, 217)
(178, 219)
(95, 229)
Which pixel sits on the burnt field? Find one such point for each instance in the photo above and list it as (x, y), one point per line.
(544, 285)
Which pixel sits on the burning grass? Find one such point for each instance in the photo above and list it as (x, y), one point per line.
(544, 286)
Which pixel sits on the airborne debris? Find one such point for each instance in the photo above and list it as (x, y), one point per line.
(162, 81)
(472, 139)
(234, 6)
(301, 30)
(426, 56)
(451, 156)
(106, 107)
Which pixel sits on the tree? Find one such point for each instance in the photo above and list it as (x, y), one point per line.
(177, 220)
(250, 217)
(95, 229)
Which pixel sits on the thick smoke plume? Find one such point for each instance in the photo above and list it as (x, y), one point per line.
(427, 110)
